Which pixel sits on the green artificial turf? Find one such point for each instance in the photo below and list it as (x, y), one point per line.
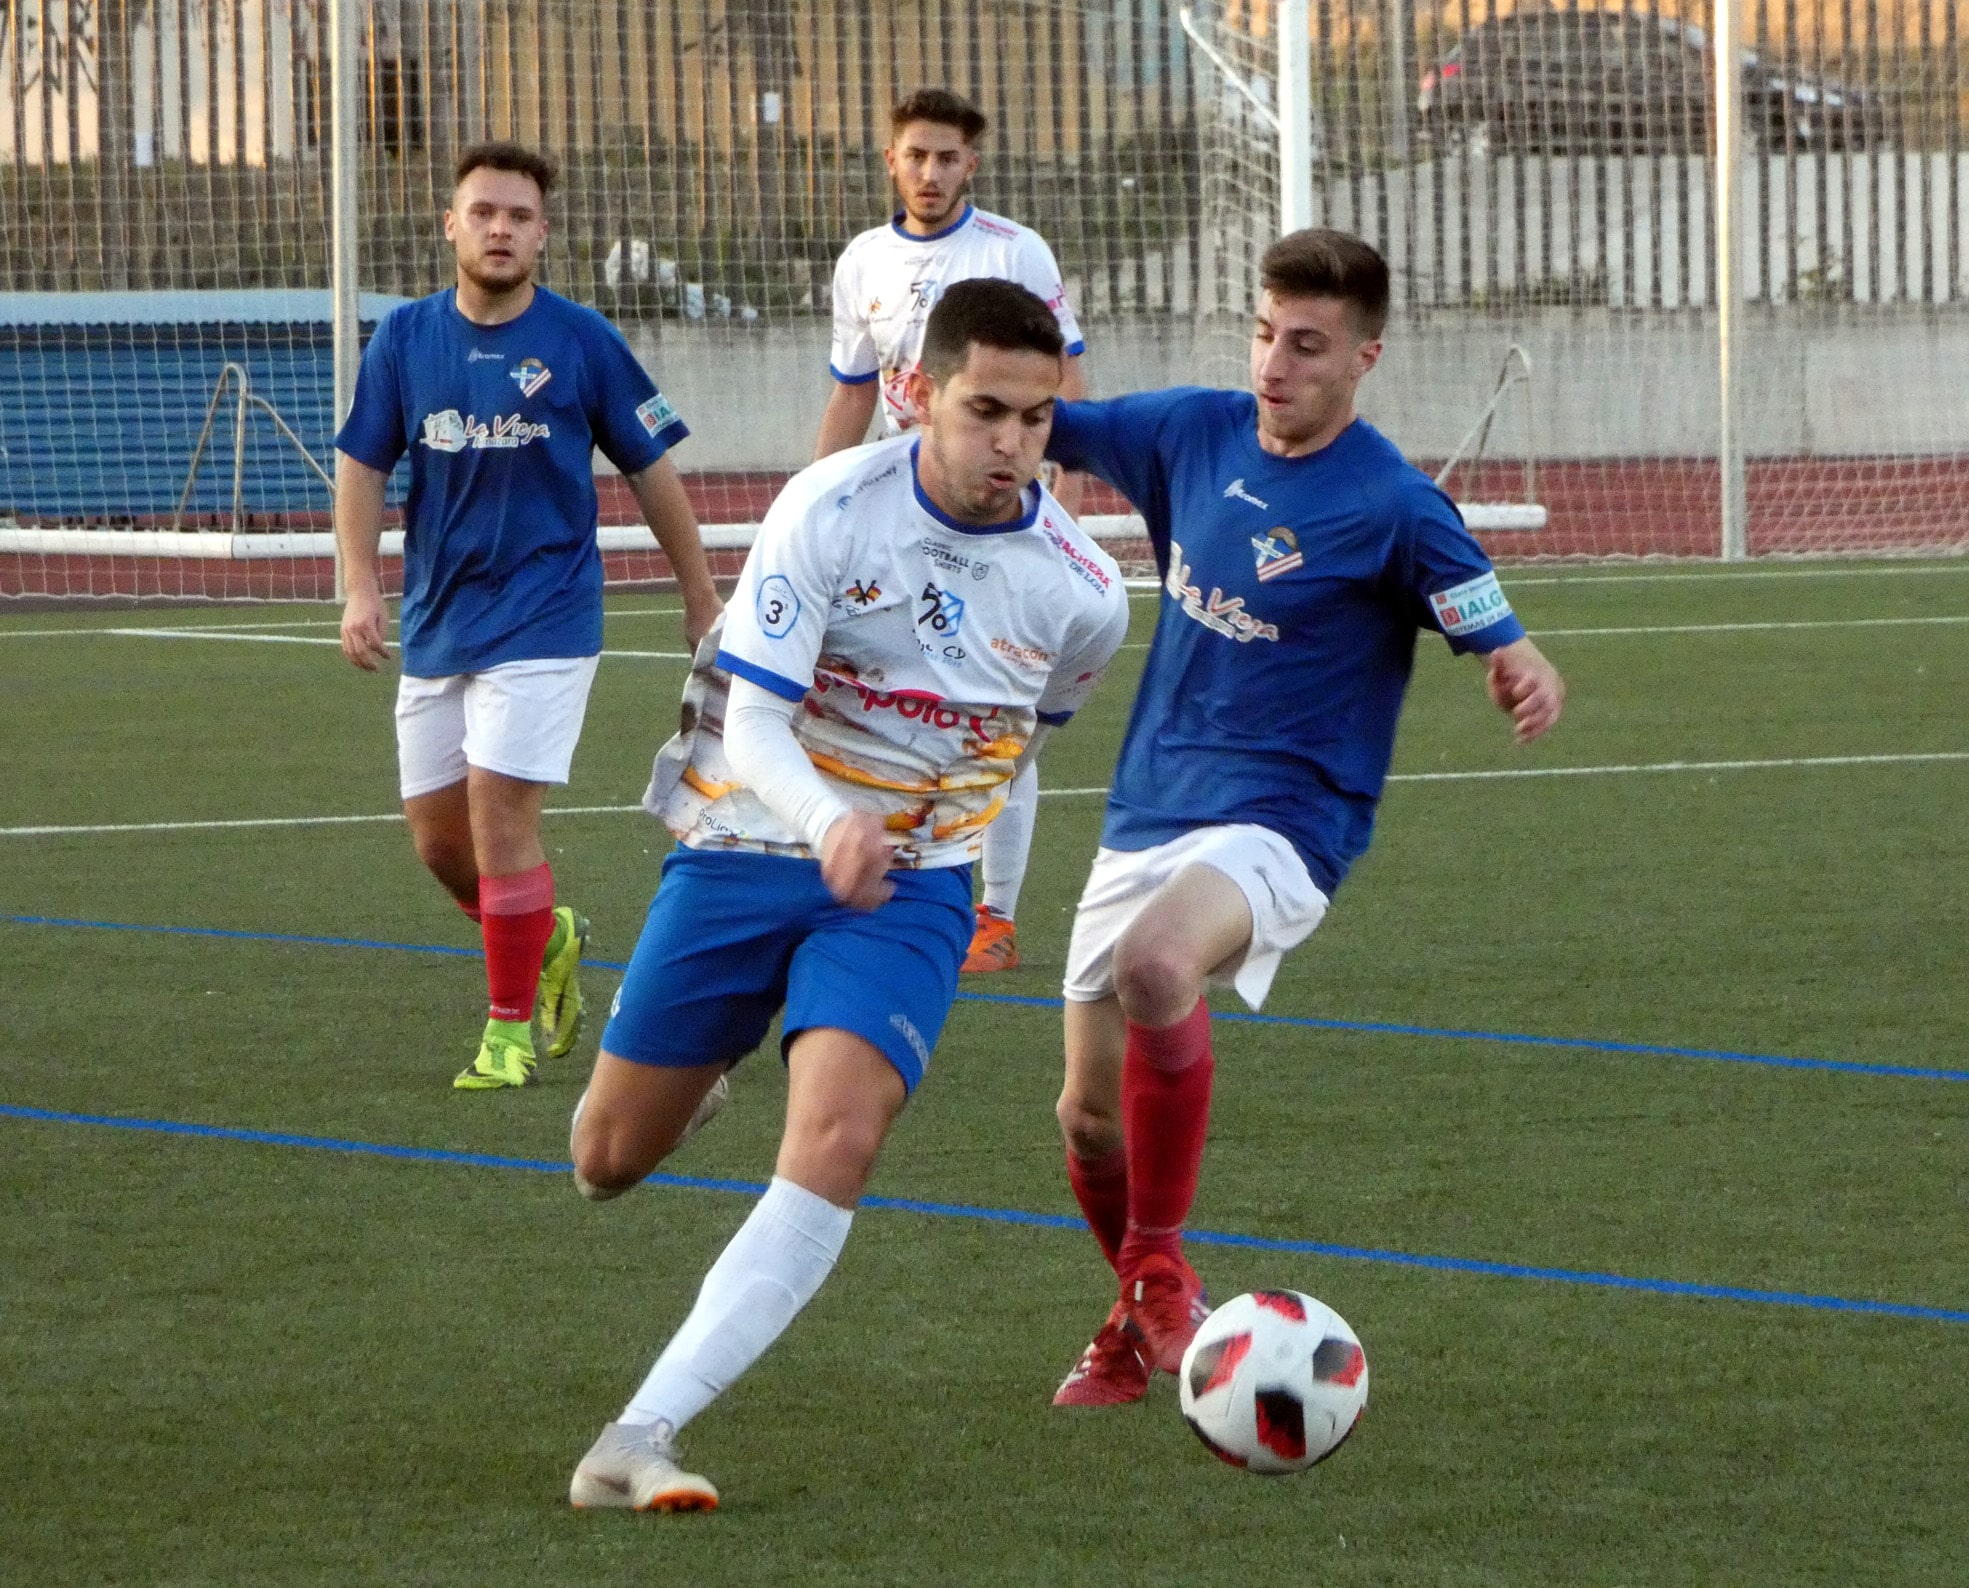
(251, 1361)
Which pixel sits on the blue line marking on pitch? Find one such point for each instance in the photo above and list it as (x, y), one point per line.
(1776, 1061)
(1589, 1044)
(1051, 1221)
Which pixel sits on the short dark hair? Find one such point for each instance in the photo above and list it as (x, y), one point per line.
(504, 156)
(1322, 263)
(944, 108)
(984, 310)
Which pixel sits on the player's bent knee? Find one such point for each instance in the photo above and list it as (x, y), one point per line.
(594, 1191)
(1089, 1132)
(443, 855)
(600, 1172)
(1157, 984)
(832, 1156)
(850, 1141)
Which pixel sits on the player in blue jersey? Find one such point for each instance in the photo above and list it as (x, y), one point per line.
(1301, 556)
(912, 617)
(500, 391)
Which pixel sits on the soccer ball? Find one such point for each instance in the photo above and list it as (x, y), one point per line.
(1273, 1381)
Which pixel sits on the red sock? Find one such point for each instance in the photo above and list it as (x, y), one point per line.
(1165, 1112)
(471, 906)
(517, 919)
(1100, 1186)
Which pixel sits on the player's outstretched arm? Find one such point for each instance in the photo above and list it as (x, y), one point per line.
(667, 509)
(1526, 687)
(358, 534)
(845, 423)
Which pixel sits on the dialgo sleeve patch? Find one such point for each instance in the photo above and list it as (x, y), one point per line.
(1475, 604)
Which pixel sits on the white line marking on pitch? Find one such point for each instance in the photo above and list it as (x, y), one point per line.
(304, 639)
(220, 634)
(1749, 628)
(1681, 766)
(1817, 572)
(1912, 758)
(1777, 626)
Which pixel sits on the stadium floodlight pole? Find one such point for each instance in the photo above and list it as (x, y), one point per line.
(1295, 115)
(345, 57)
(1729, 283)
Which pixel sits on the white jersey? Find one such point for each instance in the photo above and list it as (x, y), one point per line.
(887, 281)
(922, 652)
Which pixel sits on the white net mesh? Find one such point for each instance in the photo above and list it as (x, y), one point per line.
(1541, 179)
(164, 249)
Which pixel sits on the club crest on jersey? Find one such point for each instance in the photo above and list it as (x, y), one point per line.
(942, 614)
(530, 375)
(1277, 551)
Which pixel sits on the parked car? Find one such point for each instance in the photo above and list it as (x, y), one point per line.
(1604, 82)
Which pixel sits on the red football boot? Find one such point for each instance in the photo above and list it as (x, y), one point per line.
(1110, 1371)
(1166, 1305)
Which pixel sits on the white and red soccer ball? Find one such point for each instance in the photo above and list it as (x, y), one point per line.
(1273, 1381)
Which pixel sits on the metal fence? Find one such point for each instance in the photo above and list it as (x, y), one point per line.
(719, 152)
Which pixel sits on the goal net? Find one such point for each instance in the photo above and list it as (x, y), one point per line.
(174, 159)
(1542, 180)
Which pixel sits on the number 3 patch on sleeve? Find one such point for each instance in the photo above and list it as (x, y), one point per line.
(776, 606)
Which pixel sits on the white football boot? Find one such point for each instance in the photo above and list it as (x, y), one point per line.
(633, 1467)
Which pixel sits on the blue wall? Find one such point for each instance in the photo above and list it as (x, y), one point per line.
(97, 422)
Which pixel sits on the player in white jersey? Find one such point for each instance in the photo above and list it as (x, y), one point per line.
(885, 284)
(912, 617)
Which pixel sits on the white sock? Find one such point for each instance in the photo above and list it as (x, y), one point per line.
(1008, 841)
(757, 1286)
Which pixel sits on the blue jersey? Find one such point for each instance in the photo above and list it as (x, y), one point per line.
(1293, 589)
(500, 561)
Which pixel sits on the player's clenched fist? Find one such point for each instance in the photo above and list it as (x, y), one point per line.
(1527, 687)
(363, 629)
(854, 861)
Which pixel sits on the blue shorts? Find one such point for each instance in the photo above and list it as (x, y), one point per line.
(733, 936)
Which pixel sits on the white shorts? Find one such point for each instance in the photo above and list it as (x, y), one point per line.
(1285, 904)
(520, 719)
